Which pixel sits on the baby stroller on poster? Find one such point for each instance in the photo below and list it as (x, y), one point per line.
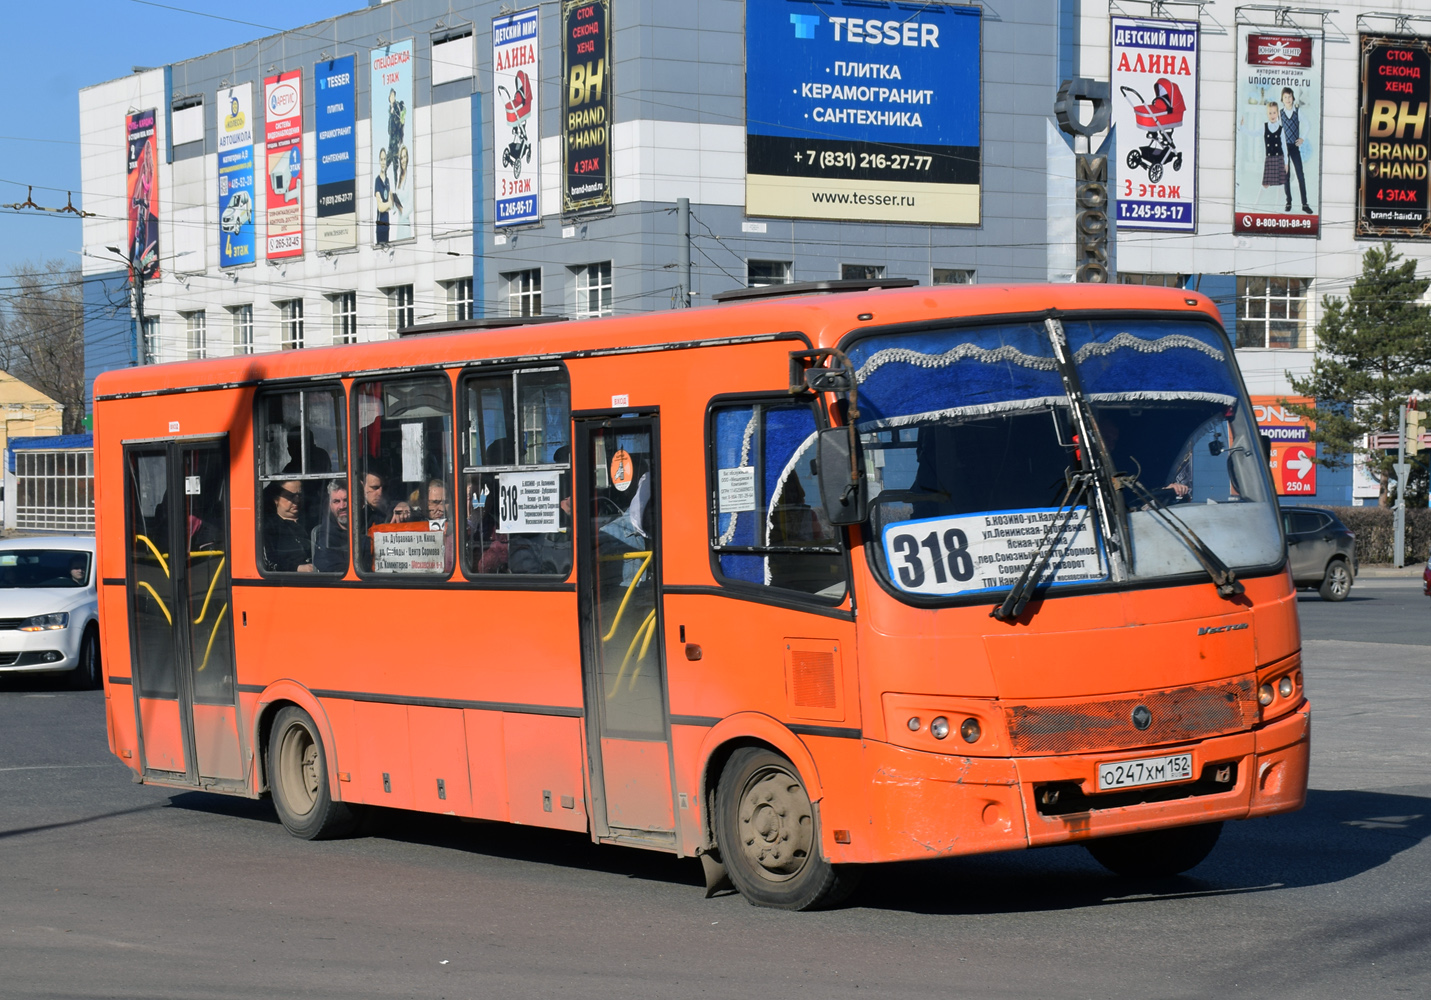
(1159, 118)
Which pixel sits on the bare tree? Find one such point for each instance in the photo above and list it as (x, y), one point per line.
(42, 334)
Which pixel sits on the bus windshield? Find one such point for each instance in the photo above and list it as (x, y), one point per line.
(974, 458)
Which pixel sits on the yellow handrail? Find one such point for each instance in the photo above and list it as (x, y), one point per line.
(212, 634)
(645, 558)
(212, 583)
(155, 594)
(163, 563)
(646, 628)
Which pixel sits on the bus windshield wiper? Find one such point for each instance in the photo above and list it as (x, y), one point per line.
(1018, 597)
(1222, 575)
(1093, 452)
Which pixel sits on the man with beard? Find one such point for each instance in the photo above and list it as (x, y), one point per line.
(330, 537)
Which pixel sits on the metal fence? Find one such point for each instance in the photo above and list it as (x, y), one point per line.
(54, 490)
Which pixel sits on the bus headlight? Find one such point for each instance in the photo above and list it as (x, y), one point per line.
(970, 731)
(939, 727)
(1265, 694)
(45, 623)
(1284, 686)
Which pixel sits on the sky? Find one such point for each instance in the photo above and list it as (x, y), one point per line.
(55, 51)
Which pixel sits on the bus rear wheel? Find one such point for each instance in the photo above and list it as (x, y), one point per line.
(298, 778)
(1157, 853)
(769, 836)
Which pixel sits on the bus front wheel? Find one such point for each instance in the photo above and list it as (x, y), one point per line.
(298, 777)
(769, 837)
(1157, 853)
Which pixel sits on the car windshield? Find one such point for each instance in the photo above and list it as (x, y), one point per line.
(974, 458)
(26, 568)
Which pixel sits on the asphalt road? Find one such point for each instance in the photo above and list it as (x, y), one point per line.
(110, 889)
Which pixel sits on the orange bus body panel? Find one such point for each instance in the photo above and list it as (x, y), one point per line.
(469, 699)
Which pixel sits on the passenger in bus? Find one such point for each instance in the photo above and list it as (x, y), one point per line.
(402, 512)
(330, 537)
(285, 543)
(487, 548)
(437, 515)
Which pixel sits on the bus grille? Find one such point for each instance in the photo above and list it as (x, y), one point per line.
(1181, 714)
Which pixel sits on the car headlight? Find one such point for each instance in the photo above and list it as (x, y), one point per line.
(45, 623)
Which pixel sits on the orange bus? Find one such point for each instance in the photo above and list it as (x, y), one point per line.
(794, 584)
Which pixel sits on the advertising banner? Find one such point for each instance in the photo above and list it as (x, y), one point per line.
(862, 110)
(237, 244)
(586, 105)
(516, 118)
(142, 190)
(283, 146)
(1154, 78)
(1294, 453)
(1393, 199)
(392, 146)
(1277, 189)
(335, 125)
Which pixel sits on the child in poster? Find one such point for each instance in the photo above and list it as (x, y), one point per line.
(1292, 136)
(1279, 121)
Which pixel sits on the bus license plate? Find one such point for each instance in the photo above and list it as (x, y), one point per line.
(1150, 771)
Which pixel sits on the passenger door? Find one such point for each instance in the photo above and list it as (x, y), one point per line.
(624, 669)
(180, 619)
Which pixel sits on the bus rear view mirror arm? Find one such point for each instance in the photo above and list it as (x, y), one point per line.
(842, 488)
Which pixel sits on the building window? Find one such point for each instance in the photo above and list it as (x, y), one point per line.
(290, 320)
(759, 273)
(149, 341)
(345, 317)
(1272, 312)
(1159, 280)
(242, 317)
(400, 312)
(196, 325)
(524, 292)
(952, 276)
(593, 290)
(861, 272)
(459, 300)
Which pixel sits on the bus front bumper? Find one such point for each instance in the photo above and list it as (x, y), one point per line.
(926, 805)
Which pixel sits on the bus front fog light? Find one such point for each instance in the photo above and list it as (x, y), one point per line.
(1284, 686)
(939, 727)
(1265, 694)
(914, 723)
(970, 731)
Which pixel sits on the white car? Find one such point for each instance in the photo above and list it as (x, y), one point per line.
(49, 608)
(237, 212)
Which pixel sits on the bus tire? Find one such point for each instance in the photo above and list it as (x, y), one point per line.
(1157, 853)
(769, 837)
(298, 778)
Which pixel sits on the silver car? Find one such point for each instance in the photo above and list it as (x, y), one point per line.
(49, 609)
(1322, 551)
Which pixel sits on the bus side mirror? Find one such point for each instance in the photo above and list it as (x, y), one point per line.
(1266, 446)
(842, 487)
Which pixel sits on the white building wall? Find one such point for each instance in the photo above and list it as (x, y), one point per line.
(1332, 261)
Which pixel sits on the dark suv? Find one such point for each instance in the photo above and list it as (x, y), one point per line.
(1322, 551)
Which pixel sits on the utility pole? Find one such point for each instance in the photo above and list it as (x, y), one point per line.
(1403, 469)
(136, 284)
(683, 239)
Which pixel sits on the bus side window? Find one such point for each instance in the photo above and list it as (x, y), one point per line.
(516, 474)
(402, 459)
(768, 523)
(303, 482)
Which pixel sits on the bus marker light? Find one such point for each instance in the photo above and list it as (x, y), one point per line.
(914, 723)
(969, 729)
(939, 728)
(842, 836)
(1265, 694)
(1284, 686)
